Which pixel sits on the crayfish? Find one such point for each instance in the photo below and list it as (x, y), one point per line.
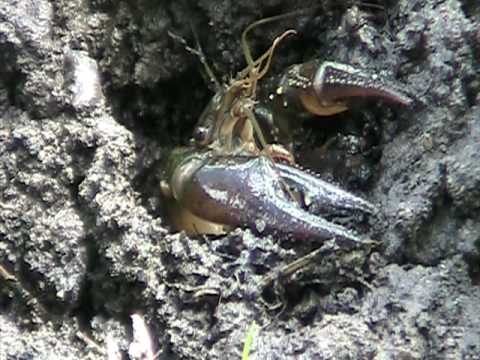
(231, 177)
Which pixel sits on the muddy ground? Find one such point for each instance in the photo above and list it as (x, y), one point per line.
(94, 93)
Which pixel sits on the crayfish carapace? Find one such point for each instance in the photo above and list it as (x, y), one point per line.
(230, 177)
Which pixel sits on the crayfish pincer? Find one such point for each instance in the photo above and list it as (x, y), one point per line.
(212, 193)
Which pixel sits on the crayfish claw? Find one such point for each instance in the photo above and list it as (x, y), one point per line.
(324, 88)
(323, 198)
(246, 191)
(286, 219)
(336, 81)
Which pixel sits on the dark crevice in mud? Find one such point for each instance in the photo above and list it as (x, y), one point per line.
(345, 148)
(417, 54)
(472, 90)
(10, 76)
(299, 297)
(36, 289)
(116, 296)
(84, 310)
(166, 113)
(471, 82)
(82, 160)
(100, 291)
(441, 228)
(165, 105)
(147, 184)
(108, 6)
(473, 263)
(93, 298)
(17, 300)
(471, 8)
(309, 302)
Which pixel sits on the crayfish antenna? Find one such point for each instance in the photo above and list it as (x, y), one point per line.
(198, 51)
(246, 48)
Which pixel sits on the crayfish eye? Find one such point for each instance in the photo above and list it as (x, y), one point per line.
(201, 134)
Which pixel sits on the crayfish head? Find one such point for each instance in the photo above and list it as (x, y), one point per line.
(206, 130)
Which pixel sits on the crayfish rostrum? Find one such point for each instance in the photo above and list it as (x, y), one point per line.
(232, 177)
